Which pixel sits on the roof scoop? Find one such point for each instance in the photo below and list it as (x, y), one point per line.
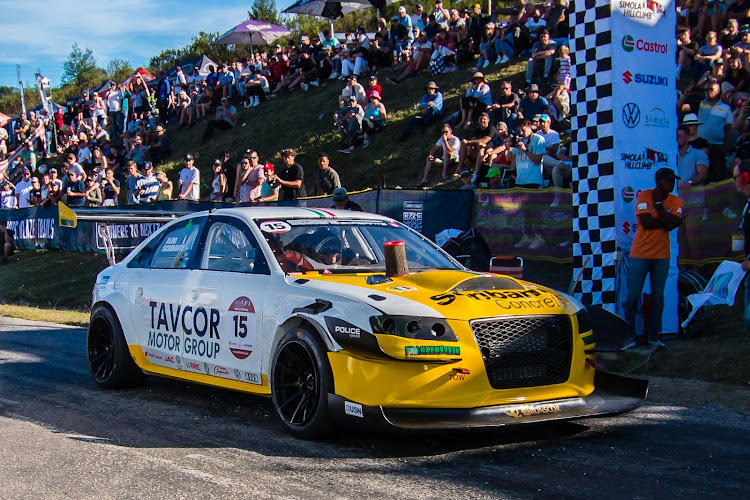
(481, 283)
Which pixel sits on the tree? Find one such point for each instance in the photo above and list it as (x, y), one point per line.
(265, 10)
(119, 69)
(165, 59)
(80, 62)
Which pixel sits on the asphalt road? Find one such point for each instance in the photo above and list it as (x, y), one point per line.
(62, 437)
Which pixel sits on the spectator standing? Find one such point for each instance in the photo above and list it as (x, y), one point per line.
(165, 187)
(110, 189)
(131, 183)
(114, 103)
(93, 193)
(341, 200)
(658, 212)
(741, 174)
(692, 163)
(442, 15)
(219, 183)
(526, 156)
(270, 189)
(250, 177)
(148, 185)
(190, 181)
(292, 177)
(75, 190)
(326, 179)
(226, 118)
(163, 91)
(23, 189)
(7, 195)
(716, 129)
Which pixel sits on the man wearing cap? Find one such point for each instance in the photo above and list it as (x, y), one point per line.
(494, 176)
(226, 81)
(341, 200)
(403, 18)
(226, 118)
(658, 212)
(416, 18)
(533, 104)
(190, 181)
(75, 191)
(28, 157)
(466, 179)
(401, 36)
(348, 122)
(148, 184)
(326, 179)
(195, 77)
(692, 163)
(478, 97)
(160, 150)
(292, 178)
(716, 128)
(526, 156)
(430, 108)
(23, 189)
(451, 147)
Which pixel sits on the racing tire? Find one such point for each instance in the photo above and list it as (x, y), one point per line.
(110, 362)
(301, 380)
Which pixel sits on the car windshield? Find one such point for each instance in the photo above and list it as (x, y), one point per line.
(345, 246)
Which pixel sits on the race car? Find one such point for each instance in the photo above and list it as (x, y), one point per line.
(349, 317)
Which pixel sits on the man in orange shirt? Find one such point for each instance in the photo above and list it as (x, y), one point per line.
(658, 212)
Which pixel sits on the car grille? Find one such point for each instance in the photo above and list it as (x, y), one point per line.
(525, 351)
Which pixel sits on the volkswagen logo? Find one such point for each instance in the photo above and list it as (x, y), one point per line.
(631, 115)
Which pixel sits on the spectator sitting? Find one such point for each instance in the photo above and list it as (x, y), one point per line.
(256, 88)
(496, 152)
(374, 117)
(474, 148)
(466, 179)
(495, 177)
(326, 179)
(542, 57)
(532, 104)
(706, 56)
(185, 107)
(686, 50)
(560, 102)
(486, 47)
(735, 81)
(348, 122)
(430, 108)
(421, 52)
(22, 128)
(195, 77)
(28, 157)
(226, 118)
(93, 193)
(400, 37)
(506, 106)
(450, 146)
(526, 156)
(477, 98)
(341, 200)
(557, 19)
(442, 15)
(374, 86)
(308, 72)
(161, 149)
(353, 60)
(443, 58)
(353, 88)
(534, 25)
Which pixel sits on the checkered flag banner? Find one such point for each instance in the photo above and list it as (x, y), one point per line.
(592, 147)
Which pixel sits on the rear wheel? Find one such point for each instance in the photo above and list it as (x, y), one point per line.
(110, 362)
(300, 382)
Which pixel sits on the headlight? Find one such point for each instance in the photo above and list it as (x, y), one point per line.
(413, 327)
(584, 324)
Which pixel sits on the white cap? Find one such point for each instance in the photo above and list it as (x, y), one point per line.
(402, 9)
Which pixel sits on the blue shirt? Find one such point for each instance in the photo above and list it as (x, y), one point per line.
(437, 98)
(528, 172)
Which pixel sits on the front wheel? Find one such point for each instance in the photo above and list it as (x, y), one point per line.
(110, 362)
(300, 382)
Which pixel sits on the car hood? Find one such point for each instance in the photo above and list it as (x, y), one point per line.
(461, 295)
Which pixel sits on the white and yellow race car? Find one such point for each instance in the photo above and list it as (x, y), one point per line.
(311, 308)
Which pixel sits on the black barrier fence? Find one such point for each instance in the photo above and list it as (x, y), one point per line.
(429, 212)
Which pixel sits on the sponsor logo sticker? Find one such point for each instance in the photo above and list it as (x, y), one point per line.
(629, 44)
(528, 410)
(353, 409)
(275, 226)
(413, 351)
(628, 194)
(645, 79)
(631, 115)
(402, 289)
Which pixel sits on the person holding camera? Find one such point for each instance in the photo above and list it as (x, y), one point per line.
(658, 212)
(526, 155)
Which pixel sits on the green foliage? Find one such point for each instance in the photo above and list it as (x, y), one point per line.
(119, 69)
(10, 103)
(265, 10)
(80, 68)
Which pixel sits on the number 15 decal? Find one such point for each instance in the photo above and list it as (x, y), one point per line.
(241, 328)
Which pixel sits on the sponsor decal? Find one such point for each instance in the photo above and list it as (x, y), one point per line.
(413, 205)
(207, 368)
(352, 331)
(253, 378)
(549, 302)
(645, 79)
(240, 328)
(645, 160)
(444, 299)
(275, 226)
(629, 44)
(193, 366)
(631, 115)
(169, 320)
(353, 409)
(648, 10)
(626, 227)
(33, 229)
(237, 374)
(527, 410)
(628, 194)
(656, 118)
(457, 377)
(403, 289)
(220, 370)
(431, 350)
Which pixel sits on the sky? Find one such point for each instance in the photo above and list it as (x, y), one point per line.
(39, 34)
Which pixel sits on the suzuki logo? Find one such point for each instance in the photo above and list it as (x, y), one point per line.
(626, 227)
(627, 77)
(631, 115)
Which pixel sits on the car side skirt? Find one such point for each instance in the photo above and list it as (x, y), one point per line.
(614, 394)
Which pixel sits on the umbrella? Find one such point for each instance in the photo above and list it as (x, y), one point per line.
(252, 32)
(332, 9)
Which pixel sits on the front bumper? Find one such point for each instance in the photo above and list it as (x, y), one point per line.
(613, 394)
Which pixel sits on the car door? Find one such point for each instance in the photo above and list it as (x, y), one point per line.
(230, 288)
(157, 293)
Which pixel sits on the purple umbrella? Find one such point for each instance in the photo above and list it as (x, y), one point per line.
(252, 32)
